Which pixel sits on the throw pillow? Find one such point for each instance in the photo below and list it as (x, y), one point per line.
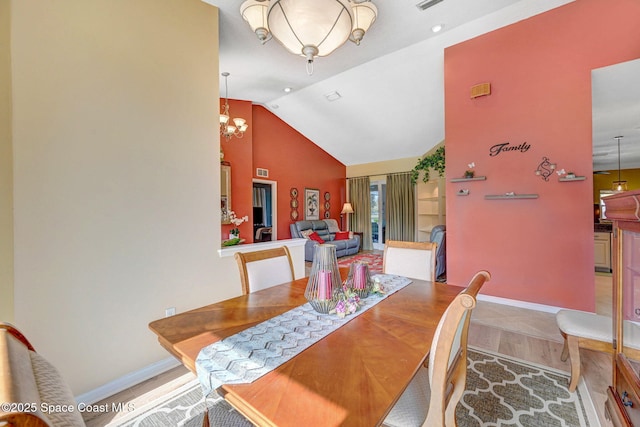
(342, 235)
(306, 233)
(315, 236)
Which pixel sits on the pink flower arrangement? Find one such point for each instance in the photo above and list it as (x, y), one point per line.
(348, 303)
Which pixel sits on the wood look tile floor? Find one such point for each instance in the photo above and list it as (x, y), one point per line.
(520, 333)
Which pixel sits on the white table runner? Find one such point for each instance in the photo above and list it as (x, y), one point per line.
(246, 356)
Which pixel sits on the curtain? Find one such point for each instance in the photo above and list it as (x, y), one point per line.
(360, 199)
(400, 213)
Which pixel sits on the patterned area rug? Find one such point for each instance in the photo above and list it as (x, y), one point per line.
(183, 407)
(374, 261)
(501, 392)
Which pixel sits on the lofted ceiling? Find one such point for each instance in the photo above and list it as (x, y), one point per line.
(616, 112)
(391, 87)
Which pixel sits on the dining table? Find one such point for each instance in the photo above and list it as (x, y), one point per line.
(351, 377)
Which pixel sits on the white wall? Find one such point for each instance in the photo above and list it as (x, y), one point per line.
(116, 177)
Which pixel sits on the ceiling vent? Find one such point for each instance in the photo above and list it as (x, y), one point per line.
(426, 4)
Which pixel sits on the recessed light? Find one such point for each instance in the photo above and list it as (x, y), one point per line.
(437, 28)
(287, 89)
(275, 106)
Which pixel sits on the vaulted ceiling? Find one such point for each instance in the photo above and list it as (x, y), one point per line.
(391, 87)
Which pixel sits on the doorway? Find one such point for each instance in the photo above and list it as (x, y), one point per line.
(264, 212)
(378, 196)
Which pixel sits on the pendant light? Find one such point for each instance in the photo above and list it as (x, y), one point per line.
(619, 185)
(239, 125)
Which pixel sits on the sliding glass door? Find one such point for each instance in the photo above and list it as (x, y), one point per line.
(378, 193)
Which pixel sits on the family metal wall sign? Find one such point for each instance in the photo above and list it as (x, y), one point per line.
(506, 146)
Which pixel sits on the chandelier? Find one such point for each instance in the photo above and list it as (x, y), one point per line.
(619, 185)
(309, 28)
(239, 125)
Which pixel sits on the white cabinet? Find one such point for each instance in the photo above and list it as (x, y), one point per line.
(602, 251)
(430, 205)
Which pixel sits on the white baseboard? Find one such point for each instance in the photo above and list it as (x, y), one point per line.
(520, 304)
(127, 381)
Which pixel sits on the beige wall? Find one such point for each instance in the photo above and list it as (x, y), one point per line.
(116, 177)
(6, 169)
(382, 168)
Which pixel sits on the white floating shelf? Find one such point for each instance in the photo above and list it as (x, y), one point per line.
(510, 196)
(577, 178)
(476, 178)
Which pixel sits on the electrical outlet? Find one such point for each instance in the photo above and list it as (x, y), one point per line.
(169, 312)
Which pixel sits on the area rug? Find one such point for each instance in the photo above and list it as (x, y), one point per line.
(504, 391)
(374, 261)
(183, 407)
(501, 392)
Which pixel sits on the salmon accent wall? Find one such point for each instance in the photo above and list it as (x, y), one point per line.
(292, 161)
(295, 161)
(239, 153)
(538, 250)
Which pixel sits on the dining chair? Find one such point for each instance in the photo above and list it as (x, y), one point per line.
(410, 259)
(431, 398)
(265, 268)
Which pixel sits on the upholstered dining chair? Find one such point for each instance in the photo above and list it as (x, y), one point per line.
(430, 399)
(411, 259)
(265, 268)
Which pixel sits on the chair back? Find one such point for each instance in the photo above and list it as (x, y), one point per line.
(263, 269)
(411, 259)
(448, 355)
(26, 379)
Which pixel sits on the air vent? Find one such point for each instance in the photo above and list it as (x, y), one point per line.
(424, 5)
(263, 173)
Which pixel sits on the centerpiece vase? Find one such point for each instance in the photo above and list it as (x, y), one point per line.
(359, 279)
(325, 284)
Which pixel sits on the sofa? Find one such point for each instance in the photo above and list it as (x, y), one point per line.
(328, 231)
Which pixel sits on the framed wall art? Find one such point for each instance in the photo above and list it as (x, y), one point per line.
(311, 204)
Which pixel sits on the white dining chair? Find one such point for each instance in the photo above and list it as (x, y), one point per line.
(265, 268)
(430, 399)
(410, 259)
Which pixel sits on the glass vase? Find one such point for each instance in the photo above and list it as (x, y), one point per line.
(324, 284)
(359, 279)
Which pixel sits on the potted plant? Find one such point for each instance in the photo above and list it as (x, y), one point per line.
(234, 233)
(470, 173)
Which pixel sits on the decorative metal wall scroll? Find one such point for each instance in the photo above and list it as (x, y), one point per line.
(545, 168)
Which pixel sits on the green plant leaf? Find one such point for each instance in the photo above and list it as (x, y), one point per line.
(434, 161)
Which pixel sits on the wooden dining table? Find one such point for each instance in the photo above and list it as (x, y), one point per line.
(351, 377)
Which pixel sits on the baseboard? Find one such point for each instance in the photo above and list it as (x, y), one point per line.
(127, 381)
(520, 304)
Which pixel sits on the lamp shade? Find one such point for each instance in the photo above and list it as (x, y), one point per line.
(364, 14)
(347, 208)
(255, 13)
(310, 27)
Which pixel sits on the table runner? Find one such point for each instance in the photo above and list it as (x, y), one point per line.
(248, 355)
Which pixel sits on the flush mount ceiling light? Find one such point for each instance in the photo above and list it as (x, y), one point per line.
(619, 185)
(309, 28)
(239, 125)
